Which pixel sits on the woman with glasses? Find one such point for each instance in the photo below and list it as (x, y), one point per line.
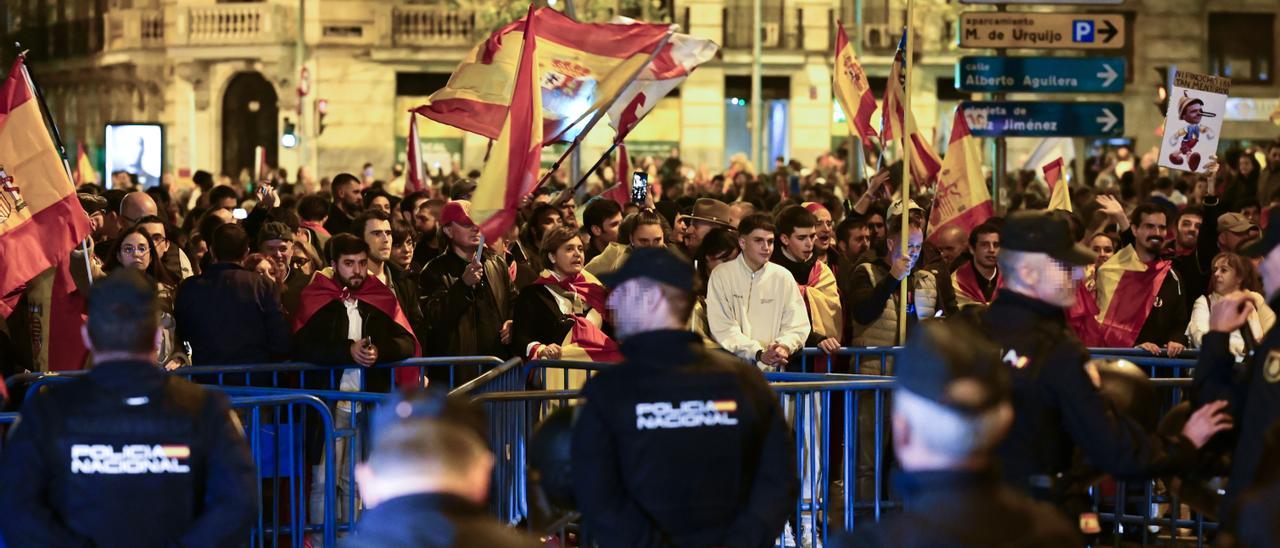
(134, 249)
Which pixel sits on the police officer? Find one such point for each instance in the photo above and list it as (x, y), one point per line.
(950, 408)
(126, 455)
(677, 445)
(427, 478)
(1255, 396)
(1056, 406)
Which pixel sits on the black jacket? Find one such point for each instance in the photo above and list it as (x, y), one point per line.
(464, 320)
(1056, 407)
(84, 466)
(432, 521)
(955, 509)
(323, 340)
(537, 318)
(408, 295)
(1253, 396)
(1168, 319)
(643, 477)
(338, 221)
(230, 315)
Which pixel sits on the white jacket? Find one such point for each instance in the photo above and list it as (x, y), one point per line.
(748, 311)
(1259, 322)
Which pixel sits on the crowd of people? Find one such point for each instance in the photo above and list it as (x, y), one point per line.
(355, 270)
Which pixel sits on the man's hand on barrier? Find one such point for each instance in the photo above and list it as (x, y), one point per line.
(504, 334)
(1175, 348)
(549, 352)
(1150, 347)
(364, 352)
(1230, 313)
(1207, 421)
(779, 353)
(829, 345)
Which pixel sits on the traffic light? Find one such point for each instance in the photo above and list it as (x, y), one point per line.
(322, 108)
(1162, 88)
(289, 137)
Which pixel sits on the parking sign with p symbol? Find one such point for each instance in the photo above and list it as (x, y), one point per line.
(1082, 30)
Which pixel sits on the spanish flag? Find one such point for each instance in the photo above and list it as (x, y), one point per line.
(962, 198)
(415, 175)
(1059, 193)
(41, 220)
(85, 173)
(583, 68)
(1125, 290)
(585, 342)
(896, 121)
(512, 169)
(852, 89)
(823, 300)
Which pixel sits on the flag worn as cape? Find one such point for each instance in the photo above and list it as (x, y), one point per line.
(852, 89)
(968, 291)
(896, 121)
(324, 289)
(961, 198)
(1059, 193)
(41, 220)
(586, 341)
(1125, 290)
(823, 299)
(584, 68)
(415, 174)
(511, 171)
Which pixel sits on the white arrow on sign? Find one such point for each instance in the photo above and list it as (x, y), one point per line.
(1108, 119)
(1108, 75)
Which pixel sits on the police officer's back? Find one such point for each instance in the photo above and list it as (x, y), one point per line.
(128, 455)
(1056, 406)
(950, 408)
(678, 445)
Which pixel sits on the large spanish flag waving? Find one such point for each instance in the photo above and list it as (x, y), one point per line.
(41, 220)
(897, 121)
(1059, 192)
(512, 169)
(962, 197)
(584, 68)
(852, 89)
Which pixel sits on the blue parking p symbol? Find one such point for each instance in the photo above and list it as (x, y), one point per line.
(1082, 30)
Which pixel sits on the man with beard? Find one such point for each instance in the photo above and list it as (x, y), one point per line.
(1187, 225)
(1140, 300)
(977, 279)
(348, 201)
(796, 233)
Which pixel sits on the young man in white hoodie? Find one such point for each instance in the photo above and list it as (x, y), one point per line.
(754, 308)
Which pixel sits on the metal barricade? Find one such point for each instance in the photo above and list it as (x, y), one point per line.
(865, 360)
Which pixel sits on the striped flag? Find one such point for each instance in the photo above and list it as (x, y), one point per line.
(895, 121)
(85, 173)
(852, 89)
(1059, 192)
(962, 198)
(512, 169)
(1126, 290)
(678, 58)
(415, 175)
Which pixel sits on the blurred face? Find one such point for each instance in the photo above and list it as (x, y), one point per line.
(402, 255)
(988, 246)
(826, 230)
(1103, 247)
(280, 251)
(876, 224)
(647, 236)
(267, 269)
(1225, 278)
(466, 238)
(1057, 283)
(381, 203)
(607, 232)
(135, 251)
(799, 243)
(915, 242)
(155, 231)
(351, 269)
(567, 260)
(423, 221)
(1149, 233)
(378, 235)
(1253, 213)
(1189, 230)
(350, 196)
(858, 242)
(757, 247)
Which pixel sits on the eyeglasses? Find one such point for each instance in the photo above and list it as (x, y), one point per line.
(299, 262)
(129, 249)
(158, 239)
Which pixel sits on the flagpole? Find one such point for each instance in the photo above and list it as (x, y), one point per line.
(904, 189)
(44, 109)
(600, 113)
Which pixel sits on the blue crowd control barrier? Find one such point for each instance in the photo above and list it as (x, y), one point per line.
(878, 358)
(1189, 353)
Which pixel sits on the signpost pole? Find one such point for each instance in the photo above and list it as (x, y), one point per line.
(1001, 150)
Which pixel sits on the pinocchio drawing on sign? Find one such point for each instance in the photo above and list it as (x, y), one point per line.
(1192, 125)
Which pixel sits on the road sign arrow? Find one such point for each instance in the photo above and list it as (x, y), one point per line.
(1108, 120)
(1107, 75)
(1108, 32)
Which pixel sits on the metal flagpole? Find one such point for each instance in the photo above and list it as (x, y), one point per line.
(904, 189)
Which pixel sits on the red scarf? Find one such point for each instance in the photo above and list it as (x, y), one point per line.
(316, 226)
(586, 335)
(967, 280)
(323, 290)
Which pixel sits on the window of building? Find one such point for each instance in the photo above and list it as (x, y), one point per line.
(1242, 46)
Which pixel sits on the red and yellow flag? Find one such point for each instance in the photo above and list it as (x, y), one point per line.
(852, 89)
(85, 173)
(583, 67)
(415, 175)
(962, 197)
(1125, 290)
(1059, 193)
(512, 169)
(41, 220)
(896, 121)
